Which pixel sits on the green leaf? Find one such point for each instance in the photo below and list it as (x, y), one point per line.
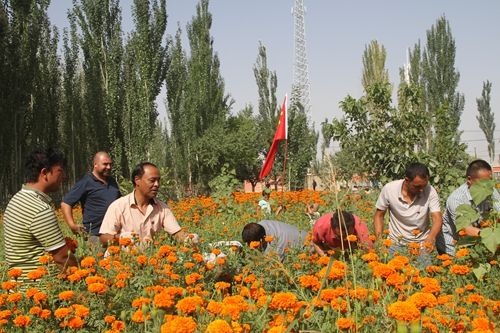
(481, 190)
(466, 215)
(490, 238)
(481, 271)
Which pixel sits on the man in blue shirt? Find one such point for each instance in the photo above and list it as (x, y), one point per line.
(476, 171)
(95, 191)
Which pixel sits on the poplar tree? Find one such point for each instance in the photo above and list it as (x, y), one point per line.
(205, 99)
(145, 67)
(102, 47)
(486, 118)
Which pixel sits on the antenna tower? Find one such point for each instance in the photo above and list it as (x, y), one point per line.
(300, 87)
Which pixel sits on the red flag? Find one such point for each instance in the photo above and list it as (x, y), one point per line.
(281, 134)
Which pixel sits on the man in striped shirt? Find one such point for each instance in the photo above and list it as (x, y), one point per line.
(30, 225)
(476, 171)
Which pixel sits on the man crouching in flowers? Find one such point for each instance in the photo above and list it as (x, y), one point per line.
(340, 230)
(278, 235)
(140, 212)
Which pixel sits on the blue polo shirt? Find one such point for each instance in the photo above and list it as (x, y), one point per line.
(94, 197)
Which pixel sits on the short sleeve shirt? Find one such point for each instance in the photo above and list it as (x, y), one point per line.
(323, 234)
(30, 230)
(95, 198)
(124, 216)
(408, 222)
(284, 236)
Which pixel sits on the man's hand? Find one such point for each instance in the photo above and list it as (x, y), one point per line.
(429, 244)
(77, 228)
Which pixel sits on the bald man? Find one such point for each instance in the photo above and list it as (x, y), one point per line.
(95, 192)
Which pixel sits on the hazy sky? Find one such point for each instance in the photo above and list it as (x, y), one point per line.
(337, 32)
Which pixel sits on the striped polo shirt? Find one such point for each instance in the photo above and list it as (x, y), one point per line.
(30, 230)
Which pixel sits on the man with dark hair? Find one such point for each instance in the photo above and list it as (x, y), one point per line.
(409, 201)
(30, 225)
(95, 191)
(140, 214)
(331, 231)
(476, 171)
(282, 236)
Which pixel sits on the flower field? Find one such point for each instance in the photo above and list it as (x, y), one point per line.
(169, 287)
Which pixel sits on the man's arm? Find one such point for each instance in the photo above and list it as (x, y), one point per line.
(63, 257)
(437, 222)
(106, 238)
(67, 211)
(319, 250)
(378, 223)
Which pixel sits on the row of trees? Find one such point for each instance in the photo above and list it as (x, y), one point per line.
(99, 92)
(379, 139)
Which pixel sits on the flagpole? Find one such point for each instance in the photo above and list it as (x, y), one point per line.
(284, 167)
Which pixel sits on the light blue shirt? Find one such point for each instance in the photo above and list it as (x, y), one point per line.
(446, 239)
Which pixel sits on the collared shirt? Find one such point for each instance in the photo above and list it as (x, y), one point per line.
(408, 222)
(445, 242)
(95, 198)
(124, 216)
(284, 236)
(30, 230)
(323, 234)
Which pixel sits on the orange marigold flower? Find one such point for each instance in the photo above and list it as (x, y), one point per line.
(62, 313)
(430, 285)
(469, 287)
(179, 324)
(22, 321)
(192, 278)
(222, 285)
(45, 259)
(352, 238)
(118, 325)
(387, 242)
(214, 307)
(163, 300)
(113, 249)
(433, 269)
(80, 310)
(331, 294)
(370, 256)
(88, 262)
(35, 310)
(482, 324)
(283, 301)
(460, 269)
(189, 304)
(142, 259)
(345, 323)
(462, 253)
(45, 314)
(98, 288)
(66, 295)
(359, 293)
(109, 319)
(9, 285)
(14, 298)
(5, 314)
(14, 273)
(40, 297)
(310, 281)
(269, 239)
(404, 311)
(75, 323)
(138, 317)
(140, 301)
(383, 270)
(423, 300)
(253, 245)
(37, 273)
(125, 241)
(219, 326)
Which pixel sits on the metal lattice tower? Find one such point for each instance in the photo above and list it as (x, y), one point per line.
(300, 87)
